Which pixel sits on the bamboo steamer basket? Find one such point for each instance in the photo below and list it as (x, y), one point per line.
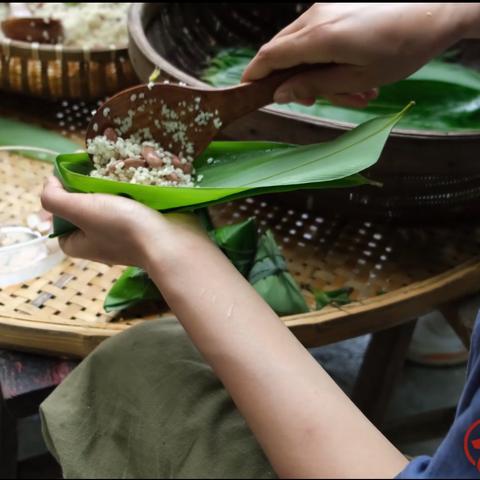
(426, 175)
(55, 71)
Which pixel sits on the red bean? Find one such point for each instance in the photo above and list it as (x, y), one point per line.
(173, 177)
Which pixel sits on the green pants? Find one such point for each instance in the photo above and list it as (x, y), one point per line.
(144, 404)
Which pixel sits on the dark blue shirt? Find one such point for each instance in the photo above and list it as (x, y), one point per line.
(458, 456)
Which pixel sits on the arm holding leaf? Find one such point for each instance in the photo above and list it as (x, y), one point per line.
(291, 405)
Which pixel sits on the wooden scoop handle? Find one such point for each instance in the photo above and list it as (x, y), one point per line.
(248, 97)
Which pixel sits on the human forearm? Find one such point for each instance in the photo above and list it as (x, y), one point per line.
(305, 424)
(297, 413)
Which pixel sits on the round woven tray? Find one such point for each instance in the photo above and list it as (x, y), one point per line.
(54, 71)
(427, 175)
(396, 273)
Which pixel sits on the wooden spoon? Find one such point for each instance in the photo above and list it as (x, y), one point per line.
(21, 25)
(184, 120)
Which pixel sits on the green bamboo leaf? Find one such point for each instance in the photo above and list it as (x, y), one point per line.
(239, 243)
(283, 295)
(133, 286)
(241, 169)
(226, 68)
(271, 279)
(447, 95)
(332, 297)
(20, 134)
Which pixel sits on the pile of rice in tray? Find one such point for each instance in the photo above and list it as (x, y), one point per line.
(85, 25)
(134, 160)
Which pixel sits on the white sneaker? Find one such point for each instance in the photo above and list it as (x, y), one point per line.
(435, 343)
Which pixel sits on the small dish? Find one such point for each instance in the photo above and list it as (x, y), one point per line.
(25, 254)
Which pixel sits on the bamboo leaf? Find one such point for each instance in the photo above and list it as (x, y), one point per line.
(239, 243)
(333, 297)
(15, 133)
(447, 95)
(241, 169)
(271, 279)
(133, 286)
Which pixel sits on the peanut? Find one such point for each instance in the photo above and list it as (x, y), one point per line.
(146, 149)
(173, 177)
(110, 134)
(153, 160)
(111, 168)
(187, 168)
(176, 162)
(134, 162)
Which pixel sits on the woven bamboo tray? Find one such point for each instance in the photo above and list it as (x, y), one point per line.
(396, 273)
(54, 71)
(426, 175)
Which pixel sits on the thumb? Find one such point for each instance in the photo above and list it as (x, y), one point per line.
(58, 201)
(75, 244)
(52, 194)
(332, 80)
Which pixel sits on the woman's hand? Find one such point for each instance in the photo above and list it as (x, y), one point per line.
(363, 46)
(116, 230)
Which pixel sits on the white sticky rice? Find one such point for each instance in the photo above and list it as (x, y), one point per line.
(85, 25)
(109, 159)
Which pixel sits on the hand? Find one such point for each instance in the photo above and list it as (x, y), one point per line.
(116, 230)
(363, 46)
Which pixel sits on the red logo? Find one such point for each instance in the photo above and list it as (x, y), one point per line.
(471, 444)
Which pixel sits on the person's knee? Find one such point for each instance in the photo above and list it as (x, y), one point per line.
(153, 353)
(159, 332)
(152, 342)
